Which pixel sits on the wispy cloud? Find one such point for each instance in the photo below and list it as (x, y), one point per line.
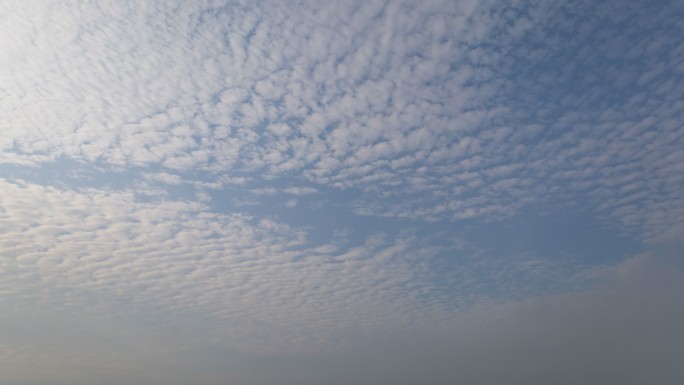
(301, 190)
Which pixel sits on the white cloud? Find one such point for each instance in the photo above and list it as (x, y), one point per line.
(301, 190)
(370, 98)
(166, 178)
(264, 191)
(416, 113)
(179, 257)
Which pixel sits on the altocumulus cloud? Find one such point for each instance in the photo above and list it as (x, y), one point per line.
(228, 192)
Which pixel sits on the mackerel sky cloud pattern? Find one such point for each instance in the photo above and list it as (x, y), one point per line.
(342, 192)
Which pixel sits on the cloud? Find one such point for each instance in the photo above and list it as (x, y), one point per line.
(157, 163)
(264, 191)
(624, 328)
(93, 248)
(380, 97)
(300, 190)
(166, 178)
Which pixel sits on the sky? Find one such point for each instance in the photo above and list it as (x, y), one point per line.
(220, 192)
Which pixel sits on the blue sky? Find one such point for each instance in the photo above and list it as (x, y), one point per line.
(343, 192)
